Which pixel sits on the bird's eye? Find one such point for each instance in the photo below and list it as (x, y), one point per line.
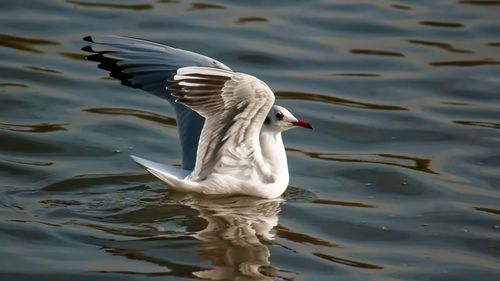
(279, 115)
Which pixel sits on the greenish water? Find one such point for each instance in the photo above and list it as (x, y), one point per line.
(400, 180)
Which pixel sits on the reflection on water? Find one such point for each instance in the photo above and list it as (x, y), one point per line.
(234, 235)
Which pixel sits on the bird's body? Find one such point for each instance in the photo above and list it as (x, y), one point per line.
(229, 128)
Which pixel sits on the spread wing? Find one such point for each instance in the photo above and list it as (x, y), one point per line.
(235, 106)
(148, 66)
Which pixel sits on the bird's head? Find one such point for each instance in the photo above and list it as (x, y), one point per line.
(280, 119)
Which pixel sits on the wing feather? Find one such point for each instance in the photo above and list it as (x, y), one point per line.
(234, 105)
(149, 66)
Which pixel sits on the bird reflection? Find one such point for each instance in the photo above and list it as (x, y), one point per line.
(233, 238)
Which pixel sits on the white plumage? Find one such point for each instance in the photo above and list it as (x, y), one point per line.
(239, 148)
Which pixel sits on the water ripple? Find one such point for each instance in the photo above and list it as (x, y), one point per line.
(488, 210)
(347, 262)
(444, 46)
(134, 112)
(481, 2)
(88, 181)
(442, 24)
(34, 128)
(478, 124)
(17, 85)
(408, 162)
(334, 100)
(343, 203)
(74, 56)
(136, 7)
(205, 6)
(356, 74)
(466, 63)
(375, 53)
(24, 43)
(42, 69)
(401, 7)
(30, 162)
(402, 168)
(285, 233)
(243, 20)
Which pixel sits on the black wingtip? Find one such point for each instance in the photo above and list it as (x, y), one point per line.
(87, 49)
(88, 39)
(100, 58)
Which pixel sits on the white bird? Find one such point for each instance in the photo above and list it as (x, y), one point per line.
(230, 131)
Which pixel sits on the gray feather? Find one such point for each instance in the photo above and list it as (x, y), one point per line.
(149, 66)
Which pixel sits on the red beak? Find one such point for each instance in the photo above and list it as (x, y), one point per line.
(302, 123)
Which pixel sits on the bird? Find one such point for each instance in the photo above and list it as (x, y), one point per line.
(229, 127)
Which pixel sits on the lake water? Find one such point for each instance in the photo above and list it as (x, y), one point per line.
(400, 180)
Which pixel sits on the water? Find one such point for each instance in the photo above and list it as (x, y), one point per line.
(400, 180)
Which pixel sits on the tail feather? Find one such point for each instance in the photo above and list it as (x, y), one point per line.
(171, 175)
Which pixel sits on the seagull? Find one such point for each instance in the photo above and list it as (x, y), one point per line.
(229, 128)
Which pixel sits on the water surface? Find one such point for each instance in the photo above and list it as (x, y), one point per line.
(400, 180)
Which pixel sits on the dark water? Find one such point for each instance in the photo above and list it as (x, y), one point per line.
(400, 180)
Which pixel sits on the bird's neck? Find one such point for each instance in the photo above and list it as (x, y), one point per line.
(273, 152)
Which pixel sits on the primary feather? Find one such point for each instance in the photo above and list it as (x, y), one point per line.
(148, 66)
